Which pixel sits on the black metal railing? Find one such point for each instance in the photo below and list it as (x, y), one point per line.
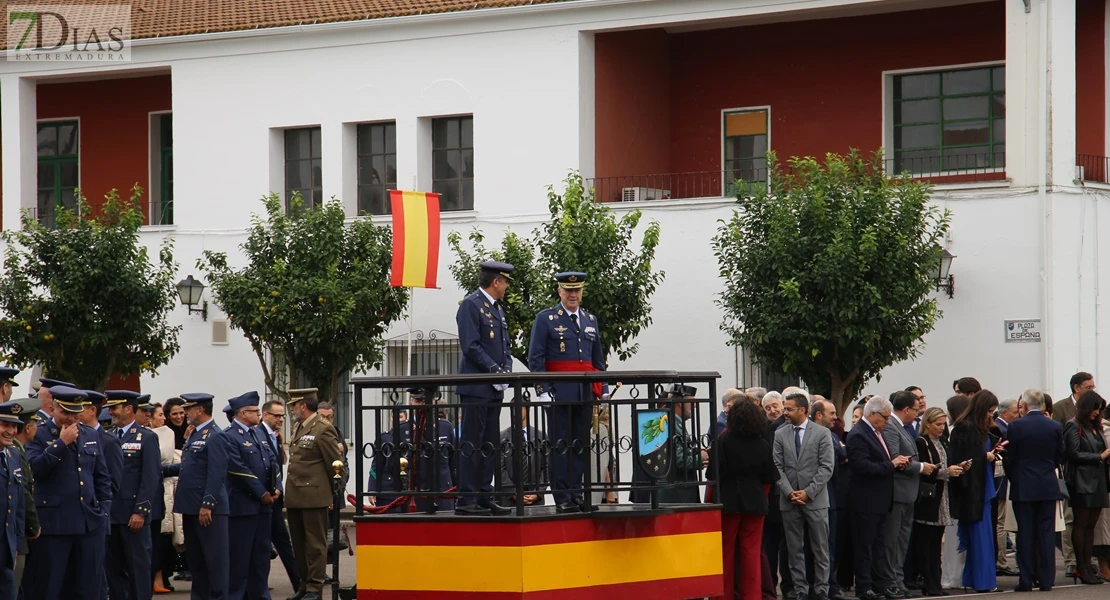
(674, 186)
(950, 167)
(1093, 167)
(408, 454)
(936, 169)
(47, 214)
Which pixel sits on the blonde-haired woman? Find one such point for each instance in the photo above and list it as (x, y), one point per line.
(931, 515)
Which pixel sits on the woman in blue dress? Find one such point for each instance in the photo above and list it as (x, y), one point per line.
(972, 441)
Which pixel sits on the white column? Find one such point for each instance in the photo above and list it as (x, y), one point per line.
(1061, 91)
(586, 105)
(332, 163)
(1022, 97)
(1070, 261)
(20, 133)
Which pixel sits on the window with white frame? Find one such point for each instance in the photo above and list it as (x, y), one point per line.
(747, 136)
(952, 120)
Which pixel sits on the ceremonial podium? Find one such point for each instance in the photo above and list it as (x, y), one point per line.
(621, 551)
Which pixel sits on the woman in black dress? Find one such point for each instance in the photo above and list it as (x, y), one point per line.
(1085, 456)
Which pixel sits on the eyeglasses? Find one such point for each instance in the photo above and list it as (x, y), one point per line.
(885, 417)
(276, 415)
(250, 410)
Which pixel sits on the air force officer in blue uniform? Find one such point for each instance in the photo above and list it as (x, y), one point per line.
(201, 499)
(484, 340)
(73, 495)
(566, 338)
(11, 497)
(252, 489)
(127, 563)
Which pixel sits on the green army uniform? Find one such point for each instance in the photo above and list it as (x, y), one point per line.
(313, 447)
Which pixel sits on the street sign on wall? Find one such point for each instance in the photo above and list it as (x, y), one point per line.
(1023, 330)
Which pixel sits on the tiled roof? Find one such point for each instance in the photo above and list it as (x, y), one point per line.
(165, 18)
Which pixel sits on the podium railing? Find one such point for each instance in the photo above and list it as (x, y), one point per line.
(408, 454)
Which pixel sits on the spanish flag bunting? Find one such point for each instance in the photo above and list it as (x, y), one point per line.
(415, 239)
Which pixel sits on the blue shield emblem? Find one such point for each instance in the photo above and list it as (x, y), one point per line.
(653, 432)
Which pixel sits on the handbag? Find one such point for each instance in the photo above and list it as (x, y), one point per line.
(1063, 488)
(927, 490)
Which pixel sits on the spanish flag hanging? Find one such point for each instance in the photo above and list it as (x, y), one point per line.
(415, 239)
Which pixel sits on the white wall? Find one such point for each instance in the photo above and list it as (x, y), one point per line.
(525, 78)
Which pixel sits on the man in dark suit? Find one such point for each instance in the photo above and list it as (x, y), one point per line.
(1062, 412)
(484, 340)
(1007, 413)
(774, 534)
(273, 415)
(534, 464)
(871, 494)
(1036, 447)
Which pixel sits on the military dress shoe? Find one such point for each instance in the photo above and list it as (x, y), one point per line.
(495, 508)
(312, 596)
(842, 596)
(868, 595)
(1006, 572)
(297, 596)
(468, 510)
(582, 506)
(567, 508)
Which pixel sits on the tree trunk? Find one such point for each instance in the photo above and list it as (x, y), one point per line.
(840, 387)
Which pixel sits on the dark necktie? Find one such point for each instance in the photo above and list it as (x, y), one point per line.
(797, 440)
(574, 317)
(120, 432)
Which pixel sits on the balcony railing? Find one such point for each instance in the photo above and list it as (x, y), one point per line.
(1093, 167)
(157, 213)
(955, 169)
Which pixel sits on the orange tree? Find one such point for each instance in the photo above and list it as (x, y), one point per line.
(85, 299)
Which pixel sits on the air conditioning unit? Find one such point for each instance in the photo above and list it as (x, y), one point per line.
(636, 194)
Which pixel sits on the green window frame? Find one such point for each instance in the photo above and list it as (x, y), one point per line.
(377, 166)
(950, 120)
(165, 172)
(58, 168)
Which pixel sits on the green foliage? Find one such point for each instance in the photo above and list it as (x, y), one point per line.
(582, 235)
(315, 291)
(83, 299)
(829, 273)
(653, 429)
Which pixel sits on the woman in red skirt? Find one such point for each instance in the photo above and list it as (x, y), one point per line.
(742, 460)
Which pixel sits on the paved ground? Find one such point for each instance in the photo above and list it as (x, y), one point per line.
(280, 582)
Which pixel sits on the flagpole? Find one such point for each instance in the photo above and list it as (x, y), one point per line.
(408, 342)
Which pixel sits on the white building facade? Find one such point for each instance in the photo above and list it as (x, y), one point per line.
(619, 90)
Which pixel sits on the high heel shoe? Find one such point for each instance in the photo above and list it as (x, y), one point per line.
(1088, 576)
